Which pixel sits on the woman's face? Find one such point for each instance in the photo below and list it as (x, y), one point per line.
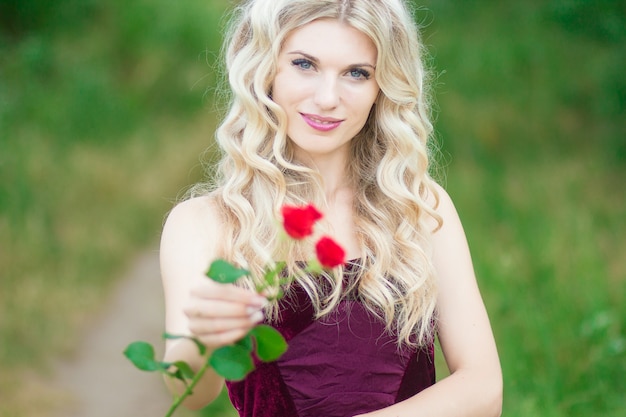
(325, 84)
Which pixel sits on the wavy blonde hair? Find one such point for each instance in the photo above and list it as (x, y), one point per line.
(388, 168)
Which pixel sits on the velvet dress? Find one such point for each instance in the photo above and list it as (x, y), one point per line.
(339, 366)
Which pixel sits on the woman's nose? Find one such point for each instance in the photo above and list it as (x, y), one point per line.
(327, 94)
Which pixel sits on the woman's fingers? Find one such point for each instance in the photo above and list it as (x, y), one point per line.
(215, 332)
(220, 314)
(227, 292)
(206, 309)
(217, 340)
(213, 300)
(203, 326)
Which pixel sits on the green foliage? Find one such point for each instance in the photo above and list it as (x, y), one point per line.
(533, 81)
(531, 100)
(270, 344)
(233, 362)
(133, 62)
(224, 272)
(141, 354)
(82, 129)
(18, 18)
(603, 20)
(97, 106)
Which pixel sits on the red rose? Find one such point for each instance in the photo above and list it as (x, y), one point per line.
(298, 221)
(329, 253)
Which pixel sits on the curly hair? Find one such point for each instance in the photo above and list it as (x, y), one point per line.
(395, 197)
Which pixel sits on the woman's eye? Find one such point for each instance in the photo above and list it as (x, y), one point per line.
(359, 73)
(304, 64)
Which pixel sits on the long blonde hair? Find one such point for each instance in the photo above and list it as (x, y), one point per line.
(388, 169)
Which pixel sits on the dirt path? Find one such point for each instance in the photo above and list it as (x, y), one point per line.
(99, 380)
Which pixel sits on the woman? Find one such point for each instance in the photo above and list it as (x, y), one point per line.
(329, 108)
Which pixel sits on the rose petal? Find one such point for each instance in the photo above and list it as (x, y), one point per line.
(329, 253)
(298, 221)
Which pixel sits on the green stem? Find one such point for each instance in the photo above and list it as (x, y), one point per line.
(189, 390)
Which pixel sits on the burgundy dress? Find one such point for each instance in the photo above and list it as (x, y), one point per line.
(340, 366)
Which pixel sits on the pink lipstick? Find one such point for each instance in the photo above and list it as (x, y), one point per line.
(321, 123)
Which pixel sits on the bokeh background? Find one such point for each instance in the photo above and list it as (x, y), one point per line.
(107, 109)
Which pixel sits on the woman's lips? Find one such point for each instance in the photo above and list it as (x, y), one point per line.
(321, 123)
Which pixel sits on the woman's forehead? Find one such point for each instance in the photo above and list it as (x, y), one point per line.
(328, 37)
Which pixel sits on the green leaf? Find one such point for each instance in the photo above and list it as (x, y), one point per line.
(141, 354)
(246, 342)
(233, 362)
(199, 344)
(224, 272)
(270, 344)
(178, 374)
(272, 279)
(270, 275)
(277, 296)
(185, 369)
(314, 267)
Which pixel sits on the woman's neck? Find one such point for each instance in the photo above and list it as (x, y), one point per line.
(333, 172)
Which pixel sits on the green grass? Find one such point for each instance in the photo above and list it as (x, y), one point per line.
(102, 123)
(532, 125)
(100, 127)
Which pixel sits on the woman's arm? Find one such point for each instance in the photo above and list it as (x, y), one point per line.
(217, 314)
(474, 387)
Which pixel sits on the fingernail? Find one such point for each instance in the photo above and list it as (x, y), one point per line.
(257, 317)
(260, 301)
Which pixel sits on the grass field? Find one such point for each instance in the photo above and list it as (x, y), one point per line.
(102, 124)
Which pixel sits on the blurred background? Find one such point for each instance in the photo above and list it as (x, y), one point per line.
(107, 109)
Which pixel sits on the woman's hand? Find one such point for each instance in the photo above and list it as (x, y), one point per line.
(221, 314)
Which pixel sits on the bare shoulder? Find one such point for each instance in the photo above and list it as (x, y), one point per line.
(195, 213)
(443, 206)
(449, 240)
(191, 233)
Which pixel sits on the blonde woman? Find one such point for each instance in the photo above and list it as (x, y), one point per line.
(329, 107)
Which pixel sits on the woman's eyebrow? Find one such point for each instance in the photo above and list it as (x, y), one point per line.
(316, 61)
(307, 56)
